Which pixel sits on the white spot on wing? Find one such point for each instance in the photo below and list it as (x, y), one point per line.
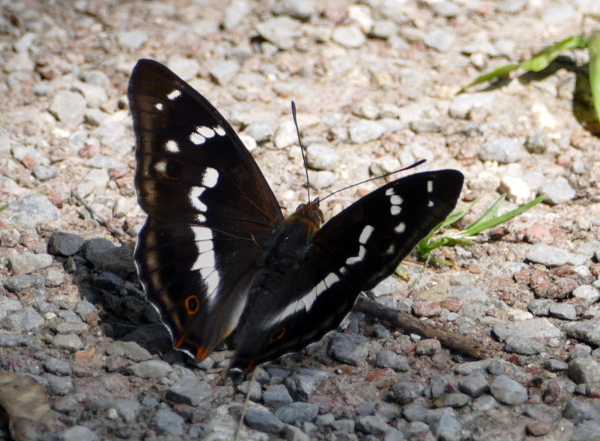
(173, 95)
(429, 186)
(210, 178)
(197, 138)
(395, 210)
(194, 197)
(400, 228)
(306, 302)
(396, 200)
(207, 132)
(389, 192)
(172, 146)
(361, 255)
(220, 131)
(430, 204)
(366, 233)
(160, 166)
(159, 106)
(201, 218)
(211, 278)
(202, 233)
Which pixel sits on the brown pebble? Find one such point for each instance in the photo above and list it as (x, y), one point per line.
(539, 428)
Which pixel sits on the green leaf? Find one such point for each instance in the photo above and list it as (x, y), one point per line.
(498, 72)
(541, 60)
(594, 48)
(4, 207)
(402, 272)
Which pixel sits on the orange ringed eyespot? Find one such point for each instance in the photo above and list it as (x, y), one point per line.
(277, 335)
(192, 305)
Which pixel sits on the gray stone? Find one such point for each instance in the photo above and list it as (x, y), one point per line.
(389, 359)
(224, 72)
(28, 262)
(503, 150)
(414, 429)
(281, 31)
(31, 211)
(537, 143)
(189, 392)
(474, 384)
(264, 421)
(440, 39)
(365, 131)
(441, 384)
(168, 423)
(235, 14)
(508, 391)
(537, 328)
(539, 307)
(130, 350)
(72, 328)
(321, 157)
(447, 428)
(277, 396)
(65, 244)
(94, 95)
(186, 68)
(56, 366)
(300, 9)
(580, 351)
(254, 389)
(415, 412)
(94, 248)
(547, 255)
(587, 431)
(558, 192)
(102, 161)
(454, 400)
(295, 413)
(85, 308)
(383, 29)
(484, 403)
(286, 134)
(292, 433)
(79, 433)
(348, 36)
(11, 340)
(588, 331)
(132, 39)
(578, 410)
(425, 126)
(349, 349)
(108, 281)
(69, 108)
(321, 179)
(588, 293)
(96, 179)
(461, 105)
(554, 365)
(8, 306)
(60, 386)
(372, 424)
(393, 435)
(406, 391)
(19, 63)
(480, 46)
(23, 44)
(346, 426)
(565, 311)
(69, 342)
(325, 420)
(469, 294)
(525, 346)
(151, 369)
(126, 409)
(44, 172)
(445, 9)
(542, 412)
(504, 330)
(511, 6)
(26, 319)
(584, 370)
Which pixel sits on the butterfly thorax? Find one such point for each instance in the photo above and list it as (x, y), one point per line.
(294, 236)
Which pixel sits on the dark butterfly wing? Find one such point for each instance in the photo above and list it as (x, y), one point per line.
(353, 252)
(210, 210)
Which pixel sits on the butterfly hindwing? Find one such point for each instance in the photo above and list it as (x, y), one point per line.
(210, 209)
(353, 252)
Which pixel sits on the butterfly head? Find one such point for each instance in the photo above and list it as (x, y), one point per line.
(308, 213)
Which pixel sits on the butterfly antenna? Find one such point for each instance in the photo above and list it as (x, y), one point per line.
(416, 164)
(301, 148)
(239, 430)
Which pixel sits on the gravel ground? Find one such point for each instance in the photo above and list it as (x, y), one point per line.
(83, 357)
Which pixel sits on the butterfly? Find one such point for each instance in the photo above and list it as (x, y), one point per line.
(215, 253)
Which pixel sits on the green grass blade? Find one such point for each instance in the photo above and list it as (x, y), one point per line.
(489, 214)
(541, 60)
(498, 72)
(500, 219)
(4, 207)
(594, 48)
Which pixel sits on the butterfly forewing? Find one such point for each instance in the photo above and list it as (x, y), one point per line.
(353, 252)
(210, 210)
